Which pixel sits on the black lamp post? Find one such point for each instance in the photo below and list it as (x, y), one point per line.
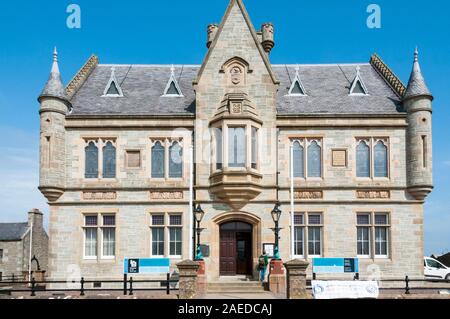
(276, 213)
(198, 214)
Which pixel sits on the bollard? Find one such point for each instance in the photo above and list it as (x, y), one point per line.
(82, 286)
(407, 292)
(131, 286)
(33, 287)
(168, 284)
(125, 280)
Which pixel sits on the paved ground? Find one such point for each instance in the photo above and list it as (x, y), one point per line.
(261, 295)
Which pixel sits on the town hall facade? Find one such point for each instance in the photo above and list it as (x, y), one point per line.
(128, 151)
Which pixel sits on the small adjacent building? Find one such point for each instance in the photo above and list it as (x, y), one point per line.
(15, 246)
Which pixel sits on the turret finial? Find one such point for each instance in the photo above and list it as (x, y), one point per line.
(416, 55)
(55, 55)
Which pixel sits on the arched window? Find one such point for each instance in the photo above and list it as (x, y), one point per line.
(175, 161)
(236, 147)
(158, 166)
(109, 161)
(91, 160)
(299, 160)
(314, 160)
(381, 160)
(363, 160)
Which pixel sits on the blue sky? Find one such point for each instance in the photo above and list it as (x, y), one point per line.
(175, 32)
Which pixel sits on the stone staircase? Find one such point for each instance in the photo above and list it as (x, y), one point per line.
(234, 285)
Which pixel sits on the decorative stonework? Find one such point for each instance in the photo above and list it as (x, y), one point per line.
(339, 158)
(308, 194)
(75, 84)
(373, 194)
(99, 195)
(166, 195)
(236, 108)
(388, 75)
(236, 75)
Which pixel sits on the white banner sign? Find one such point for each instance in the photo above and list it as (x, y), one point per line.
(344, 289)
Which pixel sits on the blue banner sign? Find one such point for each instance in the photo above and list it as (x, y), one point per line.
(335, 265)
(146, 265)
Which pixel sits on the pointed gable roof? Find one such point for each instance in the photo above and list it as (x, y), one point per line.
(113, 87)
(416, 84)
(251, 28)
(172, 87)
(54, 86)
(358, 87)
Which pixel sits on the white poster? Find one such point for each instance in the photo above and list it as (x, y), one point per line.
(344, 289)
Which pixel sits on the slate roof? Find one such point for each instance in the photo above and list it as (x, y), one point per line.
(416, 83)
(12, 231)
(327, 88)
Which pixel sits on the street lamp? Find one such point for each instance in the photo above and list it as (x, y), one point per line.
(276, 213)
(198, 213)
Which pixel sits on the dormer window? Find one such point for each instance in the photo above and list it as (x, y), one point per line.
(358, 87)
(113, 88)
(172, 88)
(297, 88)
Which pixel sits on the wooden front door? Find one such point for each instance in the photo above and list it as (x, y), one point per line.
(235, 249)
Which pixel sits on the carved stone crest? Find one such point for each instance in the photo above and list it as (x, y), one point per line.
(166, 195)
(377, 194)
(236, 75)
(236, 108)
(308, 194)
(99, 195)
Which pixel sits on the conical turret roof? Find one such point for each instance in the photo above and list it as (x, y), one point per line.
(54, 86)
(416, 84)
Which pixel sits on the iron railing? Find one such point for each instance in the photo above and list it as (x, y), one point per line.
(129, 285)
(405, 283)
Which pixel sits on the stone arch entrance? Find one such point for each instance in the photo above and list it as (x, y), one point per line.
(238, 240)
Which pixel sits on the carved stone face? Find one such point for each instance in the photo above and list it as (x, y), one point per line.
(236, 75)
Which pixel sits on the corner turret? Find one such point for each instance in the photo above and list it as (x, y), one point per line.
(417, 102)
(54, 105)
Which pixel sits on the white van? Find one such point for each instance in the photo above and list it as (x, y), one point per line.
(435, 269)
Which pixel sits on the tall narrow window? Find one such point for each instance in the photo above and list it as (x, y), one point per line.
(299, 160)
(109, 236)
(158, 163)
(362, 159)
(314, 234)
(157, 235)
(237, 147)
(299, 234)
(381, 160)
(91, 161)
(219, 148)
(314, 160)
(424, 151)
(381, 235)
(109, 161)
(1, 256)
(175, 233)
(90, 236)
(175, 161)
(254, 147)
(363, 235)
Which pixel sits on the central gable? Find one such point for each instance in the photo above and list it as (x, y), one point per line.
(236, 38)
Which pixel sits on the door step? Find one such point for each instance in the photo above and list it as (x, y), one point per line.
(235, 287)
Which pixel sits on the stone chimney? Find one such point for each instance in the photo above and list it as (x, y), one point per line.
(36, 217)
(267, 31)
(212, 32)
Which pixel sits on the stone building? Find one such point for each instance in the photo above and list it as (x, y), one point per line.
(15, 246)
(117, 145)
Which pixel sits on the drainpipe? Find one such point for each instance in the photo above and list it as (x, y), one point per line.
(31, 246)
(191, 199)
(292, 199)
